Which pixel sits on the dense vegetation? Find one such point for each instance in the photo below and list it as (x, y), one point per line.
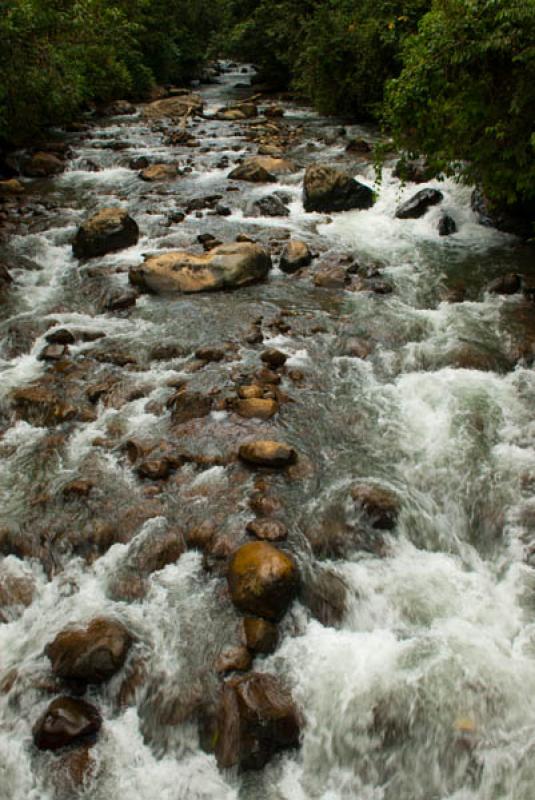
(451, 79)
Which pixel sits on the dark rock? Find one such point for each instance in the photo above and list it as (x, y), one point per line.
(67, 720)
(274, 358)
(138, 163)
(359, 145)
(327, 189)
(155, 470)
(511, 283)
(43, 165)
(109, 230)
(210, 354)
(235, 659)
(268, 206)
(60, 336)
(517, 219)
(256, 719)
(186, 405)
(413, 170)
(419, 203)
(261, 636)
(331, 277)
(53, 352)
(92, 654)
(262, 580)
(120, 301)
(446, 225)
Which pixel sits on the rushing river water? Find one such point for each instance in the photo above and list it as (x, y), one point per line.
(425, 689)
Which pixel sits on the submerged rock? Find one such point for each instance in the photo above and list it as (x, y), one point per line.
(510, 283)
(274, 358)
(380, 505)
(67, 720)
(324, 592)
(256, 718)
(109, 230)
(92, 654)
(419, 203)
(295, 256)
(262, 580)
(159, 172)
(327, 189)
(228, 266)
(272, 530)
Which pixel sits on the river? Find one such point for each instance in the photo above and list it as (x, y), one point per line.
(424, 688)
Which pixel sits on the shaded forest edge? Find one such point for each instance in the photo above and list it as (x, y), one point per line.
(450, 80)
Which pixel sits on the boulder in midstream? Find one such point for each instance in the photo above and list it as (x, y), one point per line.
(107, 231)
(267, 453)
(417, 205)
(92, 654)
(262, 580)
(67, 720)
(228, 266)
(328, 189)
(295, 256)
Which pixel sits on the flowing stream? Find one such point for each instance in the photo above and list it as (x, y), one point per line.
(425, 688)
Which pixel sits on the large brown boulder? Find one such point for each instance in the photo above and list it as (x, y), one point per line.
(174, 108)
(256, 718)
(255, 407)
(228, 266)
(237, 112)
(267, 453)
(273, 164)
(262, 580)
(92, 654)
(108, 230)
(327, 189)
(67, 720)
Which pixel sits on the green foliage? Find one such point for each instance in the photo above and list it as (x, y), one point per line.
(58, 55)
(466, 95)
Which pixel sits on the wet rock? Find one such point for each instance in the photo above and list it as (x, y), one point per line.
(446, 225)
(380, 505)
(261, 636)
(295, 256)
(274, 112)
(109, 230)
(154, 469)
(201, 536)
(511, 283)
(60, 336)
(256, 719)
(66, 721)
(121, 300)
(324, 593)
(43, 165)
(274, 358)
(228, 266)
(93, 654)
(265, 375)
(262, 580)
(419, 203)
(267, 453)
(16, 592)
(174, 108)
(327, 189)
(516, 219)
(272, 530)
(252, 173)
(250, 392)
(275, 166)
(138, 163)
(235, 659)
(331, 277)
(41, 405)
(159, 172)
(268, 206)
(238, 111)
(5, 278)
(79, 488)
(256, 408)
(210, 354)
(186, 405)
